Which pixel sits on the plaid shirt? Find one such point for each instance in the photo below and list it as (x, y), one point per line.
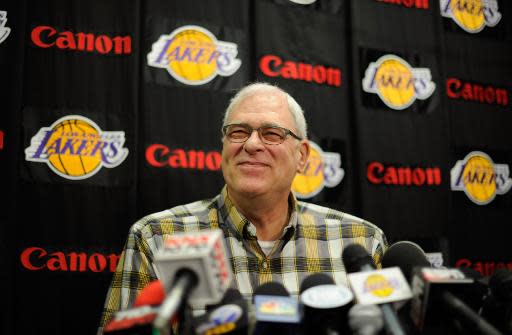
(312, 242)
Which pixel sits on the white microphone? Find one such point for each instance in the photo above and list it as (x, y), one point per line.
(195, 269)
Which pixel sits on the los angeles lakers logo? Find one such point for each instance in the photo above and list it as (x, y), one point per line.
(471, 15)
(74, 147)
(378, 285)
(193, 56)
(480, 178)
(322, 169)
(396, 83)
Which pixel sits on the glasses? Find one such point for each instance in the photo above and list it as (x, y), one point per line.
(239, 133)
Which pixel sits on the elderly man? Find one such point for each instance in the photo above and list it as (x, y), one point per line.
(270, 236)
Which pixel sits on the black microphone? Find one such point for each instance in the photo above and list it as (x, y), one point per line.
(230, 316)
(497, 306)
(435, 302)
(406, 255)
(325, 305)
(275, 311)
(356, 259)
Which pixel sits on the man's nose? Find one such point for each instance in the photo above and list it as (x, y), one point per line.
(254, 142)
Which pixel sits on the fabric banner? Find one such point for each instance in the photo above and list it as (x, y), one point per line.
(113, 110)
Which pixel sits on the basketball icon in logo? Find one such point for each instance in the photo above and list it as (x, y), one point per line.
(74, 147)
(480, 178)
(322, 169)
(396, 83)
(471, 15)
(67, 162)
(194, 56)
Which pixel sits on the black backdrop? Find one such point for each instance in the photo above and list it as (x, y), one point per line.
(61, 236)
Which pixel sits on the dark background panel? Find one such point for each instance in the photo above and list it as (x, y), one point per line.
(11, 66)
(185, 117)
(414, 137)
(64, 216)
(318, 39)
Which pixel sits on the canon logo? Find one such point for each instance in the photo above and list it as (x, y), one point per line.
(457, 89)
(35, 259)
(485, 268)
(159, 155)
(274, 66)
(420, 4)
(47, 37)
(378, 173)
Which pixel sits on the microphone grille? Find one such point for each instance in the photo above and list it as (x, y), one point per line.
(354, 257)
(406, 255)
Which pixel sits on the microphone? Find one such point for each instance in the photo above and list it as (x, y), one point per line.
(497, 307)
(196, 266)
(275, 311)
(434, 288)
(365, 319)
(406, 255)
(356, 259)
(325, 305)
(138, 320)
(228, 317)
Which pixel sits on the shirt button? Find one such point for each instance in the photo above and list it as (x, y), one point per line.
(264, 264)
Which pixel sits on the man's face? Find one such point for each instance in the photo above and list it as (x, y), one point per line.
(254, 168)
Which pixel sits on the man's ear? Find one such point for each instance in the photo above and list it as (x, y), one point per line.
(303, 152)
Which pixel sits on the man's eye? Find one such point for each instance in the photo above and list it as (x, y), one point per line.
(238, 133)
(273, 134)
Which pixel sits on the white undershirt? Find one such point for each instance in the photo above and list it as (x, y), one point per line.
(266, 246)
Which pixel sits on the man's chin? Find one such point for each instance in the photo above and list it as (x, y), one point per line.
(250, 190)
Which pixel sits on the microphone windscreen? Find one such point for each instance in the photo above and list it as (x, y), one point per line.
(315, 279)
(355, 257)
(153, 294)
(271, 288)
(406, 255)
(231, 294)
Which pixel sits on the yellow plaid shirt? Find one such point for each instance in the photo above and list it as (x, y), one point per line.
(312, 242)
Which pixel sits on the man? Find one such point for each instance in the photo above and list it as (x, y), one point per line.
(270, 236)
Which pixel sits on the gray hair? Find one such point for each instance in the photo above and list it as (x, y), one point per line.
(293, 106)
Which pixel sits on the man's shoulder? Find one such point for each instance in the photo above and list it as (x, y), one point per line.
(333, 216)
(197, 211)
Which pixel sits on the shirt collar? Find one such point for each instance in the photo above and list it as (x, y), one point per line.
(232, 216)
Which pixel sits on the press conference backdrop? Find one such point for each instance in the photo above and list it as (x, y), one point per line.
(111, 110)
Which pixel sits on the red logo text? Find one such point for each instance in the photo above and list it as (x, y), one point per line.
(485, 268)
(159, 155)
(378, 173)
(35, 259)
(457, 89)
(420, 4)
(47, 37)
(274, 66)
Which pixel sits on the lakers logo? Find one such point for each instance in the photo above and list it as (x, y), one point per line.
(471, 15)
(480, 178)
(322, 169)
(396, 83)
(193, 56)
(74, 147)
(378, 285)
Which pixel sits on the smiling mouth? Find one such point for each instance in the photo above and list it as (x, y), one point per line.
(253, 164)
